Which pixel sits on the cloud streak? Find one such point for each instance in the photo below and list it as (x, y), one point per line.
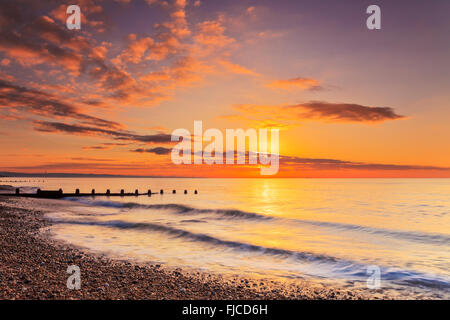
(157, 150)
(59, 127)
(343, 112)
(333, 164)
(13, 96)
(296, 83)
(286, 116)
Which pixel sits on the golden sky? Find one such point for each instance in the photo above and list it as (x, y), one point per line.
(349, 102)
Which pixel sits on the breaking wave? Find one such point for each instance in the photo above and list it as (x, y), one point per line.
(421, 237)
(325, 264)
(176, 208)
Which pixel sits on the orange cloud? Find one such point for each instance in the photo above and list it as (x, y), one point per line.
(5, 62)
(211, 35)
(236, 68)
(184, 71)
(91, 14)
(136, 49)
(295, 83)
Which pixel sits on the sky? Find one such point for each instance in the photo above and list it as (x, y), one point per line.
(348, 101)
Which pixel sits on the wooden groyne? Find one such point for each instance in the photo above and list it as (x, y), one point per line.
(58, 194)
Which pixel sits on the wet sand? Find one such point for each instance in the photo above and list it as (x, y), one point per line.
(33, 266)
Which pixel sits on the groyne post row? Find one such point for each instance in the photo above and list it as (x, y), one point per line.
(56, 194)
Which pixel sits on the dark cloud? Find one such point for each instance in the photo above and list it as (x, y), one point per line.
(286, 162)
(18, 12)
(333, 164)
(284, 116)
(47, 105)
(300, 163)
(96, 148)
(81, 166)
(343, 112)
(59, 127)
(157, 150)
(31, 39)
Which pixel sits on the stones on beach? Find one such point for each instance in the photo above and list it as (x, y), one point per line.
(34, 267)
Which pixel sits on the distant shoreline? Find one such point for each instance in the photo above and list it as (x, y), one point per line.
(7, 175)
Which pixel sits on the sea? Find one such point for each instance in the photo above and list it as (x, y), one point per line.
(386, 234)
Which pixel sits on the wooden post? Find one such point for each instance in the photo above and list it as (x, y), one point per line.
(17, 191)
(93, 191)
(185, 191)
(136, 192)
(161, 191)
(77, 192)
(108, 192)
(174, 191)
(122, 192)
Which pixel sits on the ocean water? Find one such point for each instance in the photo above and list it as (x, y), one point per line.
(330, 229)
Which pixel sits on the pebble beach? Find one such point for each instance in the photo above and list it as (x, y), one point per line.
(33, 266)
